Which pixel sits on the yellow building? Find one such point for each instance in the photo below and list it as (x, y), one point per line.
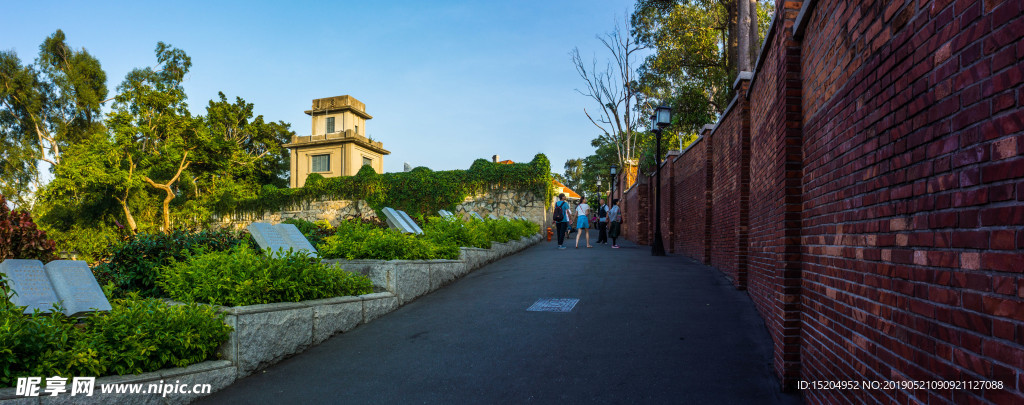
(338, 145)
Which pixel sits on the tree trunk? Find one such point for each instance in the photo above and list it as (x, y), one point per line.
(170, 192)
(733, 44)
(743, 64)
(127, 214)
(755, 36)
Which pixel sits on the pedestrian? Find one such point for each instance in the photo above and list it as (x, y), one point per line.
(602, 222)
(582, 223)
(560, 217)
(614, 222)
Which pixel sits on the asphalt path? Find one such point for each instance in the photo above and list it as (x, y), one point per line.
(660, 330)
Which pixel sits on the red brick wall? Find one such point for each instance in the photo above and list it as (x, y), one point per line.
(912, 197)
(635, 206)
(775, 192)
(692, 198)
(883, 238)
(731, 142)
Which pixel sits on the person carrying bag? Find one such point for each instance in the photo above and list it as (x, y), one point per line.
(615, 222)
(602, 222)
(560, 216)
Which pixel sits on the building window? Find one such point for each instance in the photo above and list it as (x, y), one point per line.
(330, 125)
(367, 161)
(321, 163)
(357, 129)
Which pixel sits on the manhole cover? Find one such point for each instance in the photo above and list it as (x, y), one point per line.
(553, 305)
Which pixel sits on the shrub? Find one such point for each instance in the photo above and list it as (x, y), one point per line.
(133, 264)
(138, 335)
(89, 243)
(315, 232)
(243, 276)
(19, 237)
(456, 232)
(441, 240)
(357, 240)
(141, 335)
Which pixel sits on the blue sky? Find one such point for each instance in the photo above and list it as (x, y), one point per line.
(447, 82)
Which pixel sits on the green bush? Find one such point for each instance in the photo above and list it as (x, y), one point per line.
(454, 231)
(359, 240)
(243, 276)
(89, 243)
(141, 335)
(315, 232)
(419, 192)
(133, 264)
(138, 335)
(441, 240)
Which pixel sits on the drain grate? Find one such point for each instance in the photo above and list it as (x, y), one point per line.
(554, 305)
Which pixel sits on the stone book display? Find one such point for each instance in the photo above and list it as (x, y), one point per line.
(415, 227)
(476, 216)
(280, 236)
(492, 216)
(69, 282)
(396, 220)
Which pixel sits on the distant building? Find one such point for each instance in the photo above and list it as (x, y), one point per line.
(338, 145)
(562, 189)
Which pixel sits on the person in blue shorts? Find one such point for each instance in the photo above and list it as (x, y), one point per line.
(582, 221)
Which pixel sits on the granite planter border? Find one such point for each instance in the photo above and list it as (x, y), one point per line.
(410, 279)
(218, 373)
(265, 334)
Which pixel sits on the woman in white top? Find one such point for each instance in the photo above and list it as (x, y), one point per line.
(582, 222)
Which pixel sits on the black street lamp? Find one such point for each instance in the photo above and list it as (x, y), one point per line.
(661, 118)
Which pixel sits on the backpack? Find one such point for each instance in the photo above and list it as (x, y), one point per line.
(559, 212)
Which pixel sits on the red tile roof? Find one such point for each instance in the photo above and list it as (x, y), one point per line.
(561, 188)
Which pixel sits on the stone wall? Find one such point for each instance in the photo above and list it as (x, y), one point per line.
(498, 202)
(505, 203)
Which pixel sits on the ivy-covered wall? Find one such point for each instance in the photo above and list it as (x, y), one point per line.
(486, 187)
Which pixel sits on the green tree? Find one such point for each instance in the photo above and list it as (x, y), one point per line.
(153, 129)
(700, 45)
(44, 108)
(255, 147)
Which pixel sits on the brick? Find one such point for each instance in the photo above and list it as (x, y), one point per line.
(971, 239)
(1011, 215)
(1011, 262)
(1001, 192)
(1004, 285)
(971, 197)
(1005, 148)
(1002, 240)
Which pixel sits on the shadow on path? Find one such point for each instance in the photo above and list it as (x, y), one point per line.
(646, 329)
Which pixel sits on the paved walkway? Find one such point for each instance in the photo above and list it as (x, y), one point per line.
(660, 330)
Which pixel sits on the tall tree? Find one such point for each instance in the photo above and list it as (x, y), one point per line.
(695, 63)
(153, 128)
(249, 148)
(615, 91)
(44, 108)
(736, 22)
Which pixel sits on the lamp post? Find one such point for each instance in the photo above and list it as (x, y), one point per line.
(599, 191)
(661, 118)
